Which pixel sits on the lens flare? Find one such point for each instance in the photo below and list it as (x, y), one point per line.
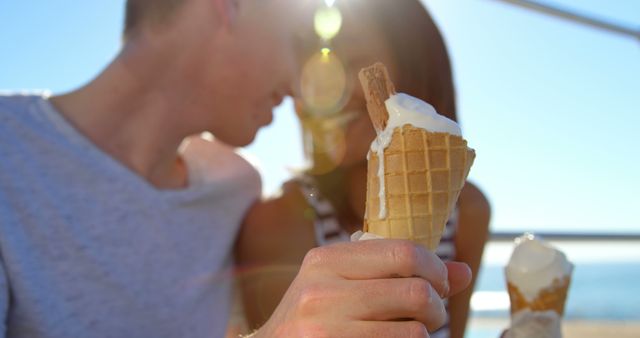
(324, 144)
(327, 22)
(323, 84)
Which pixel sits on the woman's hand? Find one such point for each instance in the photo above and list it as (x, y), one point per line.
(383, 288)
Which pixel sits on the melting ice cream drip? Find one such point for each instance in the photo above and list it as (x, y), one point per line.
(406, 110)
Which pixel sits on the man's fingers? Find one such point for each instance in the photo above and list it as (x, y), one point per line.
(404, 329)
(376, 288)
(398, 299)
(459, 277)
(375, 259)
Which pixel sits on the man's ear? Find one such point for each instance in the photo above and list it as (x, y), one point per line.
(228, 12)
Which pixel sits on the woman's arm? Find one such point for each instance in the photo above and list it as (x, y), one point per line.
(273, 241)
(473, 230)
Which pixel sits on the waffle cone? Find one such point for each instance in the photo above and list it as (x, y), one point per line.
(552, 298)
(424, 173)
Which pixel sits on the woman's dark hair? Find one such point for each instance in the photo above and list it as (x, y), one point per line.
(423, 70)
(422, 60)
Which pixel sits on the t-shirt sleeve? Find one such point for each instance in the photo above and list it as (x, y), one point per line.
(4, 300)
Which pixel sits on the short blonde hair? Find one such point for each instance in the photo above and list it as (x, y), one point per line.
(140, 12)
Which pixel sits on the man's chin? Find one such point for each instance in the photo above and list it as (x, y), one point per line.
(266, 119)
(237, 139)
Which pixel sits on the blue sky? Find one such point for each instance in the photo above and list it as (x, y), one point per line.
(551, 107)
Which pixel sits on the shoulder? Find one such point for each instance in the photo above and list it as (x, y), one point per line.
(23, 115)
(276, 214)
(473, 200)
(15, 106)
(23, 127)
(9, 101)
(276, 220)
(12, 103)
(210, 161)
(474, 213)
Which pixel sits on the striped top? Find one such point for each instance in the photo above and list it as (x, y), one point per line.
(328, 231)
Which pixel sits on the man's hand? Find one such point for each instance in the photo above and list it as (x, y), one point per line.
(381, 288)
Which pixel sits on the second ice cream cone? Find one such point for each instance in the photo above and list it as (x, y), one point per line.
(552, 298)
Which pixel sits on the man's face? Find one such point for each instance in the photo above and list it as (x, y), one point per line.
(253, 66)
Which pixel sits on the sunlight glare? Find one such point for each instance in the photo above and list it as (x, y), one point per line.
(327, 22)
(324, 83)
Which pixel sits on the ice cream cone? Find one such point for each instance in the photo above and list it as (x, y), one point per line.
(552, 298)
(411, 194)
(424, 173)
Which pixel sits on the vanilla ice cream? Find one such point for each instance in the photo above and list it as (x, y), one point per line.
(535, 265)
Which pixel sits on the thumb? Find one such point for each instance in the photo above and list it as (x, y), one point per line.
(459, 277)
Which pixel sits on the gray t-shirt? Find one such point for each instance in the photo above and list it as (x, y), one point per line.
(90, 249)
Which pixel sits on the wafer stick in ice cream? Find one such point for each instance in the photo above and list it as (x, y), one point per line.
(378, 88)
(417, 167)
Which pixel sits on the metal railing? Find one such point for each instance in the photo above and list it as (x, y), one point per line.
(577, 237)
(581, 18)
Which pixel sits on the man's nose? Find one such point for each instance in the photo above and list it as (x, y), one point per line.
(295, 90)
(294, 72)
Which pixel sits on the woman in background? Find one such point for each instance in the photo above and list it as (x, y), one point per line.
(326, 203)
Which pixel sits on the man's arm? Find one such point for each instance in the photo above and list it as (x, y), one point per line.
(4, 300)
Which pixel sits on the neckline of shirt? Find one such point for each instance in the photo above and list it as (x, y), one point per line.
(112, 165)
